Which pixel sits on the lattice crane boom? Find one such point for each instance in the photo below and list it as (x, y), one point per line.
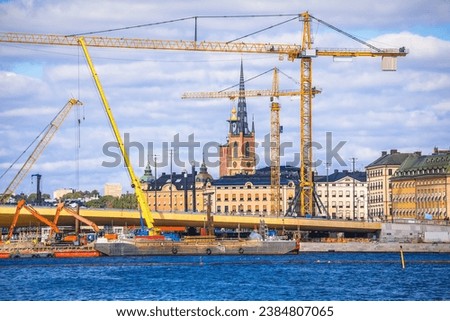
(45, 140)
(292, 51)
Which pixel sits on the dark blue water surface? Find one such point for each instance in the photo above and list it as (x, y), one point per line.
(308, 276)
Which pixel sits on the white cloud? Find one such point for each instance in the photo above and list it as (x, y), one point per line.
(369, 109)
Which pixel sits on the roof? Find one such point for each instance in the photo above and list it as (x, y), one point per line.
(258, 179)
(286, 170)
(337, 176)
(177, 179)
(416, 165)
(393, 158)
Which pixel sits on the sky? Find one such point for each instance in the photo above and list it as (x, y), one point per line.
(360, 112)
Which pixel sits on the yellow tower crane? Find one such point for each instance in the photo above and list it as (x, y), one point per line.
(304, 52)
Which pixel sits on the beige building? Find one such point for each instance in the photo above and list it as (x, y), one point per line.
(113, 189)
(176, 192)
(421, 187)
(59, 193)
(251, 194)
(379, 174)
(343, 195)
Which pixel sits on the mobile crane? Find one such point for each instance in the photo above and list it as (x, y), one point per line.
(305, 52)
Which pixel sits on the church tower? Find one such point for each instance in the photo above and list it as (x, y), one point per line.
(237, 156)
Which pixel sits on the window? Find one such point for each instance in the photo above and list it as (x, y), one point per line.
(247, 149)
(235, 149)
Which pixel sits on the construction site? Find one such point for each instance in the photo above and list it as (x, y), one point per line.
(282, 209)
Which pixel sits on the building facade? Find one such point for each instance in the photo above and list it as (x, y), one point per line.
(113, 189)
(250, 194)
(343, 195)
(421, 187)
(379, 174)
(59, 193)
(176, 192)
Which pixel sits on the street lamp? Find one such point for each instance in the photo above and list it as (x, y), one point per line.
(327, 165)
(156, 187)
(185, 191)
(194, 205)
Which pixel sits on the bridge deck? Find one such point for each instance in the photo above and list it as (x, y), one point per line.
(119, 217)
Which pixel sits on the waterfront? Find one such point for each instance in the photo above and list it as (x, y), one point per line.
(304, 277)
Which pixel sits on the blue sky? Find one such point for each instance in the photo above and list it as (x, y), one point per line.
(369, 110)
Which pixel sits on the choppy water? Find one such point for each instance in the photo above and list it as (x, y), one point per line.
(309, 276)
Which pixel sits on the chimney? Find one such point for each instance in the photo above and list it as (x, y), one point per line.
(384, 153)
(394, 151)
(418, 153)
(336, 171)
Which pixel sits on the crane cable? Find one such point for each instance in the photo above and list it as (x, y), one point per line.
(31, 144)
(180, 19)
(259, 75)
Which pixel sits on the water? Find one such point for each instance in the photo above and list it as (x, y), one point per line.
(304, 277)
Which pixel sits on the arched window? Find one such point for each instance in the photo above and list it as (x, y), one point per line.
(235, 149)
(247, 149)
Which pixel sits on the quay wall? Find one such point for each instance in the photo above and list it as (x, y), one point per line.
(379, 247)
(414, 232)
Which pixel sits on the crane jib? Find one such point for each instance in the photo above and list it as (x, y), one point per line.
(293, 51)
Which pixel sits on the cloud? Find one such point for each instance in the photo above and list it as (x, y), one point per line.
(369, 109)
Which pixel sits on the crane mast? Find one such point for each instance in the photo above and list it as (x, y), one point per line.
(306, 94)
(275, 146)
(305, 53)
(46, 138)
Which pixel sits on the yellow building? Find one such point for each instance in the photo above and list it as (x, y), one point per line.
(420, 187)
(379, 191)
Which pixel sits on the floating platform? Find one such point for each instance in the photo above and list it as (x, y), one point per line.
(195, 246)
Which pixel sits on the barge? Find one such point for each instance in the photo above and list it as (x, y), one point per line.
(196, 245)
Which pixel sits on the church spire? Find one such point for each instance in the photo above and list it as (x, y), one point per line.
(242, 106)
